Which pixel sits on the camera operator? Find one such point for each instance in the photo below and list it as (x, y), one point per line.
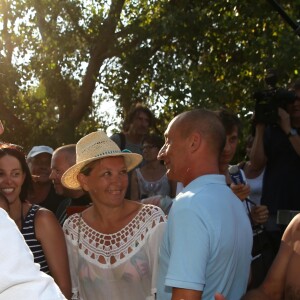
(277, 147)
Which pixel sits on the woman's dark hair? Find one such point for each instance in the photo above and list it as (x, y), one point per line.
(154, 139)
(134, 112)
(17, 152)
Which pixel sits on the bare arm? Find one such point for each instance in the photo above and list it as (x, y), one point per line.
(184, 294)
(273, 285)
(134, 189)
(285, 268)
(258, 158)
(49, 233)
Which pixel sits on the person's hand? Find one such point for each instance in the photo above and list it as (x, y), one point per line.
(284, 120)
(260, 214)
(242, 191)
(219, 297)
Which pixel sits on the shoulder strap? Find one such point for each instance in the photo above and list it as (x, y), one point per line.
(123, 140)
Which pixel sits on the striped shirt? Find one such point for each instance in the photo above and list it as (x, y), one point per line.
(28, 231)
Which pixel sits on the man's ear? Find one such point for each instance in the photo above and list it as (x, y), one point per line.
(195, 141)
(83, 181)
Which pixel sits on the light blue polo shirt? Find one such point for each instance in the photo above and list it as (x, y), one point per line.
(207, 243)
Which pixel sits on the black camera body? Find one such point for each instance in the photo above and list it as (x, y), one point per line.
(268, 101)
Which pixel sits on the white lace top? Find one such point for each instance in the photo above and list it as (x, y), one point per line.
(119, 266)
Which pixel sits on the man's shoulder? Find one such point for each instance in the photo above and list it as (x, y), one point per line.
(120, 139)
(292, 232)
(116, 137)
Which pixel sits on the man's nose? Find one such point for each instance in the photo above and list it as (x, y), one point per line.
(161, 153)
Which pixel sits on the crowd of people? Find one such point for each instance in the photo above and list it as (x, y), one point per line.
(142, 216)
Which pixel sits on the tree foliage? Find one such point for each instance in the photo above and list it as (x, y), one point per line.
(61, 59)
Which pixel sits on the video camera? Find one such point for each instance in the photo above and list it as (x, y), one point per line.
(267, 101)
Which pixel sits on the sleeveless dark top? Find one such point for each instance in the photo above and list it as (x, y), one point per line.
(28, 231)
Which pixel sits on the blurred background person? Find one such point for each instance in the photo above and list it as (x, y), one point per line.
(276, 148)
(232, 126)
(62, 159)
(39, 226)
(151, 179)
(135, 127)
(112, 245)
(254, 177)
(258, 214)
(42, 191)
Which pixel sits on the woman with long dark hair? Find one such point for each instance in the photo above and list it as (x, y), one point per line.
(41, 230)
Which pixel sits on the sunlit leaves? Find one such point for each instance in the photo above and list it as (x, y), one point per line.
(61, 59)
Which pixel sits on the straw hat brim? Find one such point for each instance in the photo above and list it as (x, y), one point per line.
(69, 178)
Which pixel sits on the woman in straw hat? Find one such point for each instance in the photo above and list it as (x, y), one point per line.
(113, 244)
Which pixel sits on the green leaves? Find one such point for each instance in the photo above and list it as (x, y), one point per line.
(170, 55)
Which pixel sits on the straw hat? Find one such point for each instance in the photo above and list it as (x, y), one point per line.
(94, 146)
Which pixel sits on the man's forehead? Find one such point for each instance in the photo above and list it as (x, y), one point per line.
(171, 126)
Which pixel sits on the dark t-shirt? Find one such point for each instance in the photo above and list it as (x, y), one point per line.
(281, 185)
(52, 201)
(61, 213)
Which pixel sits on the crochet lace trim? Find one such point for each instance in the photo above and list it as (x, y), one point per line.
(112, 249)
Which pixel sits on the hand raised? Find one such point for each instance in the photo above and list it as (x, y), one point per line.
(219, 297)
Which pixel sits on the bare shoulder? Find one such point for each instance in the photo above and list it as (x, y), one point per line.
(46, 223)
(149, 209)
(292, 232)
(45, 215)
(292, 239)
(133, 207)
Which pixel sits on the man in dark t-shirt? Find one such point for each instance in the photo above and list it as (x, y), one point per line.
(136, 126)
(43, 192)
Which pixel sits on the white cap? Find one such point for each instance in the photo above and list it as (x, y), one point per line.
(36, 150)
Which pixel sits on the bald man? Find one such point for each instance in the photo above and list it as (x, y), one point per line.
(208, 240)
(62, 159)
